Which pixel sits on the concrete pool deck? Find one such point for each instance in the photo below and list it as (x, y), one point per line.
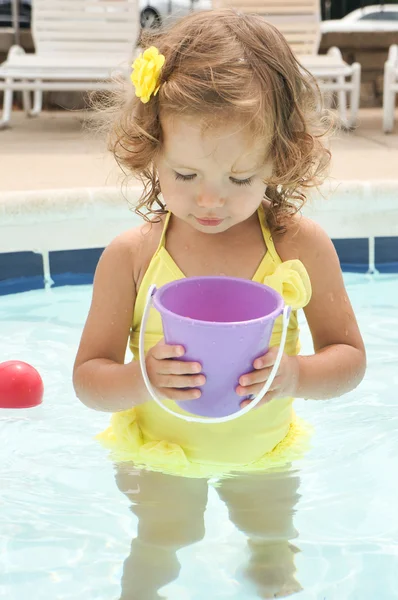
(54, 151)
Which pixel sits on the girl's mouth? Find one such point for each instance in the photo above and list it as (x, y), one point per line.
(209, 222)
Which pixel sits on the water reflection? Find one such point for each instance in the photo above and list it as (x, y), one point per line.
(170, 512)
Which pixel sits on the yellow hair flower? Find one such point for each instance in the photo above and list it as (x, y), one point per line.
(146, 71)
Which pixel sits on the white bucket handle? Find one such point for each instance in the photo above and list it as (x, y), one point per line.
(192, 419)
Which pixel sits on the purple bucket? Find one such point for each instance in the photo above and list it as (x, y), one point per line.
(223, 323)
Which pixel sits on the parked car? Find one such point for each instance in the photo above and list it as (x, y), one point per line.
(378, 17)
(25, 10)
(152, 12)
(376, 12)
(156, 12)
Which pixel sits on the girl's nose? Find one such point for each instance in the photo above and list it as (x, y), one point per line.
(210, 198)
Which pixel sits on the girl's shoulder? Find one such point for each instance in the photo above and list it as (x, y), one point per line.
(142, 237)
(136, 246)
(304, 239)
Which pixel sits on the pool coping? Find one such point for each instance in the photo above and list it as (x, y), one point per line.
(374, 204)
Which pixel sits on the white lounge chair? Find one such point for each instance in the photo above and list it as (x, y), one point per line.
(299, 21)
(79, 45)
(390, 88)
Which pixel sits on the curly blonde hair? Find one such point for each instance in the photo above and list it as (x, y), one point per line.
(224, 64)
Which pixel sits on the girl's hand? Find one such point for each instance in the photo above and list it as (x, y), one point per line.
(172, 378)
(284, 384)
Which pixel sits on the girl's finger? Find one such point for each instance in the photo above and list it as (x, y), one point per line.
(180, 381)
(253, 390)
(250, 390)
(270, 395)
(164, 351)
(259, 376)
(180, 395)
(177, 367)
(268, 360)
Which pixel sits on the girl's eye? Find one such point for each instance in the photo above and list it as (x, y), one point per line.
(180, 177)
(248, 181)
(184, 177)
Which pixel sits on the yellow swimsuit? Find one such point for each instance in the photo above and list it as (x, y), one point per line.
(267, 437)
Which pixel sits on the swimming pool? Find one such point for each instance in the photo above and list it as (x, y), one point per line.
(66, 528)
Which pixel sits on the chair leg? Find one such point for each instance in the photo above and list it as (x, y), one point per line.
(388, 98)
(9, 92)
(26, 102)
(37, 103)
(355, 94)
(341, 94)
(342, 102)
(7, 105)
(328, 98)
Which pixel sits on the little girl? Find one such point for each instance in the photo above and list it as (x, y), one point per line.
(223, 127)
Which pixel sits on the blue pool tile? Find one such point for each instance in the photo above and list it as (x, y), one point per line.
(20, 264)
(386, 251)
(74, 267)
(61, 279)
(353, 254)
(22, 271)
(348, 267)
(21, 284)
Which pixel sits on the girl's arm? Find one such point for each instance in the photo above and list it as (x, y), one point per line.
(101, 379)
(339, 362)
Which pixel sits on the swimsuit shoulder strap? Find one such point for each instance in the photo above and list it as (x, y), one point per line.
(269, 242)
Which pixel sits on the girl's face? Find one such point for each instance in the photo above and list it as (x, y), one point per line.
(212, 179)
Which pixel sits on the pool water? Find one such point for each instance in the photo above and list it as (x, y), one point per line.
(66, 529)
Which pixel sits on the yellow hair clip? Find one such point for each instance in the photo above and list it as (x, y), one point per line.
(146, 71)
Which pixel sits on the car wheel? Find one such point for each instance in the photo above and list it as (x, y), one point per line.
(150, 18)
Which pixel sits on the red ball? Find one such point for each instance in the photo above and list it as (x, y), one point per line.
(20, 385)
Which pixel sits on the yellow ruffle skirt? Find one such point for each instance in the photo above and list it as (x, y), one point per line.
(125, 441)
